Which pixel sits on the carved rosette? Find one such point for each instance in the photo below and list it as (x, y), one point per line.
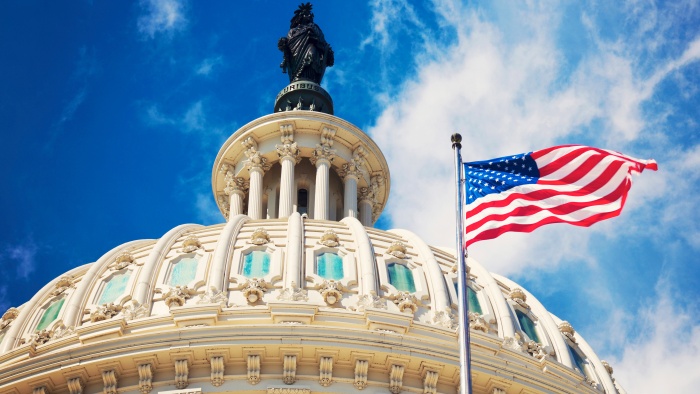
(259, 237)
(294, 293)
(253, 290)
(8, 317)
(329, 239)
(518, 295)
(177, 296)
(104, 312)
(477, 322)
(122, 261)
(406, 302)
(331, 291)
(397, 249)
(567, 330)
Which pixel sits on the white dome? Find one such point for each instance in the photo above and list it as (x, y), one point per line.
(295, 303)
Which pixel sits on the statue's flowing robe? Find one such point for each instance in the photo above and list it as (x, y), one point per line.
(309, 53)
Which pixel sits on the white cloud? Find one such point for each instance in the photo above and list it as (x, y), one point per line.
(661, 348)
(161, 16)
(23, 256)
(193, 119)
(206, 210)
(206, 67)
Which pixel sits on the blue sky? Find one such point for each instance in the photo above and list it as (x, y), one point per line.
(111, 114)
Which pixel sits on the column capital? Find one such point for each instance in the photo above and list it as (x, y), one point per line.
(256, 161)
(322, 153)
(288, 151)
(235, 184)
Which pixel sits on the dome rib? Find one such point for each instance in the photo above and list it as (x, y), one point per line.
(368, 275)
(504, 317)
(548, 324)
(292, 266)
(147, 276)
(223, 252)
(27, 311)
(437, 287)
(78, 300)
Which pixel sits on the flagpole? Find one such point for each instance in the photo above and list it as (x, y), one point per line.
(465, 378)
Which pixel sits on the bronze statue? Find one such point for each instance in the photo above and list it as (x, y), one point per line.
(306, 52)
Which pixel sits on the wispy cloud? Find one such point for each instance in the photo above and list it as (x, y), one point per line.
(206, 210)
(162, 16)
(206, 67)
(23, 257)
(661, 347)
(85, 68)
(193, 118)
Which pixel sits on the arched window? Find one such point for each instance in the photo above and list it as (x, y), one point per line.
(578, 360)
(474, 305)
(303, 201)
(50, 314)
(114, 288)
(527, 325)
(184, 271)
(401, 277)
(329, 266)
(256, 264)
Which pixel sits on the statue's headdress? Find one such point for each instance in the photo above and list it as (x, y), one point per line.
(303, 12)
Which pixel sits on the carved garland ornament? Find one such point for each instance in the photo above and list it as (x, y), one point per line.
(191, 243)
(371, 300)
(406, 302)
(567, 330)
(397, 249)
(477, 322)
(253, 289)
(331, 291)
(64, 283)
(122, 261)
(518, 295)
(177, 296)
(294, 293)
(259, 237)
(329, 239)
(104, 312)
(8, 317)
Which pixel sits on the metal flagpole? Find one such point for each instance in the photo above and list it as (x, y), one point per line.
(465, 362)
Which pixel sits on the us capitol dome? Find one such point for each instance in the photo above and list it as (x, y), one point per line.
(296, 292)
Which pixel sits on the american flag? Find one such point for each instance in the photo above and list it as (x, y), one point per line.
(573, 184)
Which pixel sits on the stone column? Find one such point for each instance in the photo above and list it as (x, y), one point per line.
(365, 208)
(256, 165)
(288, 153)
(323, 156)
(255, 196)
(235, 190)
(351, 173)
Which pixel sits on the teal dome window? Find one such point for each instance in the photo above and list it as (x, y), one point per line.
(329, 266)
(527, 325)
(50, 314)
(578, 360)
(114, 288)
(184, 271)
(474, 305)
(401, 277)
(256, 264)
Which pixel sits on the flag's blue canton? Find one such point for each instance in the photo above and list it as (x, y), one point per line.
(498, 175)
